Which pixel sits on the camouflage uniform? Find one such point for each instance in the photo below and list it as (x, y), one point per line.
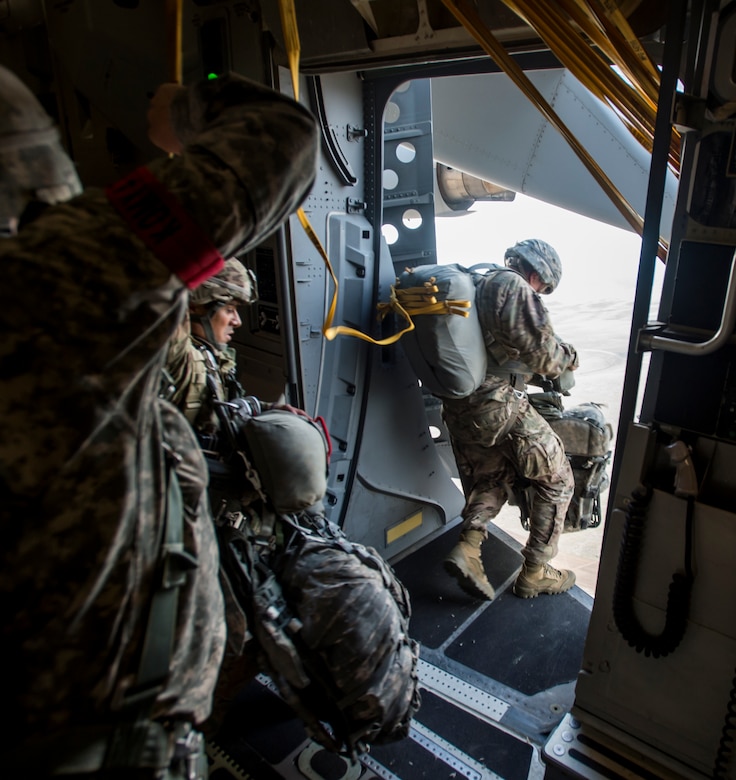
(201, 371)
(89, 304)
(496, 434)
(187, 365)
(190, 361)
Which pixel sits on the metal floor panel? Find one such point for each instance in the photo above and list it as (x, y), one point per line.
(438, 605)
(529, 645)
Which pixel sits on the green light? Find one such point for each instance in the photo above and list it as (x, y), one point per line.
(211, 76)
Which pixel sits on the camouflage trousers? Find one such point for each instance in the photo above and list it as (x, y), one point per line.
(498, 437)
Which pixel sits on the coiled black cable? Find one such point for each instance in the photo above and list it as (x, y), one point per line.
(678, 600)
(728, 737)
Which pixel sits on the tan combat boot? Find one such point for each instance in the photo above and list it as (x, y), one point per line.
(464, 564)
(533, 580)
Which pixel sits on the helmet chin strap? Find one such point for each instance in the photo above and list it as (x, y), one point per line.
(515, 264)
(205, 321)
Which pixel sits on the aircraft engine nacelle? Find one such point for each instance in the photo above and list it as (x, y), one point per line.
(458, 191)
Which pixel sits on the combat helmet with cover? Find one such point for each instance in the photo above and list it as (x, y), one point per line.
(33, 164)
(233, 284)
(539, 256)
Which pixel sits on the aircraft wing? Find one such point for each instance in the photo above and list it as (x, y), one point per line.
(501, 137)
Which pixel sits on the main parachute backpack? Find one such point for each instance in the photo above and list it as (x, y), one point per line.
(445, 348)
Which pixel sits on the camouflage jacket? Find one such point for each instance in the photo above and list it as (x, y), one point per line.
(516, 325)
(188, 363)
(91, 294)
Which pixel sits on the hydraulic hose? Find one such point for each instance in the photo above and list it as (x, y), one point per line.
(728, 737)
(678, 600)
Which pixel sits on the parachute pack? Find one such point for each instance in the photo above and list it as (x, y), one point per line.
(331, 622)
(290, 454)
(445, 348)
(329, 617)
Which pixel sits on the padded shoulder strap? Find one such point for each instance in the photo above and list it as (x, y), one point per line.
(174, 564)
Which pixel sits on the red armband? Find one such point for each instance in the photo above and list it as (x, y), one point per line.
(160, 221)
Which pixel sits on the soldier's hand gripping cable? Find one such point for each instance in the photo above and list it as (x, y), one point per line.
(97, 472)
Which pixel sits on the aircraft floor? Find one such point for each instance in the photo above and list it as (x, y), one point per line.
(496, 678)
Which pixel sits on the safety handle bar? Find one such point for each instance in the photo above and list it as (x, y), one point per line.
(719, 338)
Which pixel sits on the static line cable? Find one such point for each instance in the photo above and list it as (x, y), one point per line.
(634, 97)
(564, 37)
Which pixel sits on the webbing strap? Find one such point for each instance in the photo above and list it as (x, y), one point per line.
(506, 430)
(226, 423)
(154, 664)
(422, 300)
(329, 331)
(174, 562)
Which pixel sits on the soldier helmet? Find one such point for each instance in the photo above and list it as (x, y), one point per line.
(538, 256)
(233, 284)
(33, 164)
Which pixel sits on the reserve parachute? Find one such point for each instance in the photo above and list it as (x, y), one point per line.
(290, 454)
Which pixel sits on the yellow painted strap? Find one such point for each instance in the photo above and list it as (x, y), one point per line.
(173, 11)
(293, 48)
(291, 39)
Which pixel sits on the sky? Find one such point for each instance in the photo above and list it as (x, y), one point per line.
(598, 261)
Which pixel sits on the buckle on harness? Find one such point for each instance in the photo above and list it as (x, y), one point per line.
(189, 750)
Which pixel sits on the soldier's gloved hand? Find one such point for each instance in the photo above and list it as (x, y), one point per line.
(242, 409)
(570, 350)
(160, 127)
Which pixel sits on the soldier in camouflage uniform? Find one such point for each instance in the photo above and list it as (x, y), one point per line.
(497, 435)
(93, 290)
(200, 349)
(201, 368)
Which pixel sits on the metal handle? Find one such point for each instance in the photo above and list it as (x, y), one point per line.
(719, 338)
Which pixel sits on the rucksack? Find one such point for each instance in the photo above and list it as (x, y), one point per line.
(331, 621)
(586, 437)
(446, 348)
